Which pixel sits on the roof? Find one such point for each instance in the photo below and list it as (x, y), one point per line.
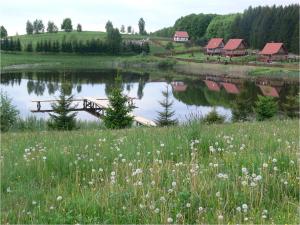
(181, 34)
(268, 91)
(272, 48)
(214, 43)
(213, 86)
(179, 86)
(233, 44)
(231, 88)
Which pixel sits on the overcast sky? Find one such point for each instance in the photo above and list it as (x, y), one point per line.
(93, 14)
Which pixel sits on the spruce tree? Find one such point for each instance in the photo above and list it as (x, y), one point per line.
(165, 116)
(117, 114)
(62, 118)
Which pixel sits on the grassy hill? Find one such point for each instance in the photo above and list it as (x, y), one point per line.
(231, 173)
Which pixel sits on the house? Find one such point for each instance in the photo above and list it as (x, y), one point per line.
(181, 36)
(269, 91)
(235, 47)
(211, 85)
(179, 86)
(230, 88)
(273, 52)
(215, 46)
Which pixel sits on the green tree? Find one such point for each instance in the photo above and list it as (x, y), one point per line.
(165, 117)
(170, 46)
(129, 29)
(67, 25)
(291, 106)
(52, 28)
(114, 40)
(38, 26)
(213, 117)
(29, 27)
(29, 47)
(122, 30)
(265, 107)
(62, 118)
(3, 32)
(141, 24)
(79, 27)
(117, 115)
(108, 26)
(8, 113)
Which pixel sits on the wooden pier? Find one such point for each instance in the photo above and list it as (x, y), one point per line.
(93, 105)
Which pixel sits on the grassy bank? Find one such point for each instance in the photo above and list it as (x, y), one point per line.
(232, 173)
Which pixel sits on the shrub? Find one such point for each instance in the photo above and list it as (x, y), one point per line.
(8, 113)
(213, 118)
(265, 107)
(166, 64)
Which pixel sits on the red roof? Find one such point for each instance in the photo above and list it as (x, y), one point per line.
(273, 48)
(182, 34)
(231, 88)
(214, 43)
(179, 86)
(233, 44)
(268, 91)
(213, 86)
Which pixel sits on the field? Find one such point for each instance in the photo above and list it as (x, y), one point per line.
(231, 173)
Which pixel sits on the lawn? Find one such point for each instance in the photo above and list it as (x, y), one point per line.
(231, 173)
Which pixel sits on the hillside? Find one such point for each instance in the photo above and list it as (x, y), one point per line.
(231, 173)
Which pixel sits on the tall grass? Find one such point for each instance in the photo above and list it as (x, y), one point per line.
(233, 173)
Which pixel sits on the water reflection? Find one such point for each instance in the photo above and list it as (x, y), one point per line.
(231, 96)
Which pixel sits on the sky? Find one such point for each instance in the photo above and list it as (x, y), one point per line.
(93, 14)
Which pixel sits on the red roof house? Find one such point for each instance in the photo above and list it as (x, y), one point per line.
(181, 36)
(235, 47)
(179, 86)
(211, 85)
(274, 51)
(230, 88)
(215, 46)
(269, 91)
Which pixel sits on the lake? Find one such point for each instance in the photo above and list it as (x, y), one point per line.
(192, 96)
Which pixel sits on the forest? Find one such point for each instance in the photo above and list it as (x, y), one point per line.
(257, 25)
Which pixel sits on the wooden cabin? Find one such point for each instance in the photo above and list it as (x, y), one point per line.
(181, 36)
(273, 52)
(179, 86)
(215, 46)
(235, 47)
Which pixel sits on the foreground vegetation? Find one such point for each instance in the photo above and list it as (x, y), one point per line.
(233, 173)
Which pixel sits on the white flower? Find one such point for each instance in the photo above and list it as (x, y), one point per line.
(244, 183)
(238, 209)
(100, 170)
(275, 168)
(153, 183)
(156, 210)
(264, 216)
(162, 145)
(258, 178)
(220, 217)
(265, 165)
(188, 205)
(113, 173)
(59, 198)
(163, 199)
(179, 215)
(173, 184)
(245, 206)
(51, 207)
(274, 160)
(44, 158)
(170, 220)
(200, 209)
(8, 190)
(244, 170)
(218, 194)
(33, 202)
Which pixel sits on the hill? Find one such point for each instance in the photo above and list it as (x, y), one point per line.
(231, 173)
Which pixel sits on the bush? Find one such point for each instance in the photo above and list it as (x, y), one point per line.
(265, 107)
(213, 118)
(166, 64)
(8, 113)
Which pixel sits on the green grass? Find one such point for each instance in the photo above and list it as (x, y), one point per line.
(25, 60)
(126, 176)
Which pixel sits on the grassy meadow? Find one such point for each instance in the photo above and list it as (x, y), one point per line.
(230, 173)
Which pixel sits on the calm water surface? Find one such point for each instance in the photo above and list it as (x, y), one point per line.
(191, 97)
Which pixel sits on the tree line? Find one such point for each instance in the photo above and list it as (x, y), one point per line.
(257, 26)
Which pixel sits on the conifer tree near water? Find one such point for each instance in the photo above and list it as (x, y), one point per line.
(117, 114)
(62, 118)
(165, 116)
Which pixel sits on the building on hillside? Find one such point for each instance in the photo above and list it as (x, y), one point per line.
(273, 52)
(235, 47)
(215, 46)
(181, 36)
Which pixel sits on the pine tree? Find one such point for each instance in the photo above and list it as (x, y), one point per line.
(117, 115)
(291, 106)
(165, 117)
(62, 119)
(265, 107)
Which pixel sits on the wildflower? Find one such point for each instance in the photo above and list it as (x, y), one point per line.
(100, 170)
(113, 173)
(245, 207)
(51, 207)
(44, 158)
(244, 170)
(265, 165)
(33, 202)
(153, 183)
(200, 209)
(244, 183)
(162, 145)
(258, 178)
(141, 206)
(178, 215)
(59, 198)
(156, 210)
(274, 160)
(253, 184)
(264, 216)
(170, 220)
(163, 199)
(218, 194)
(8, 190)
(220, 217)
(239, 209)
(275, 168)
(173, 184)
(188, 205)
(170, 190)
